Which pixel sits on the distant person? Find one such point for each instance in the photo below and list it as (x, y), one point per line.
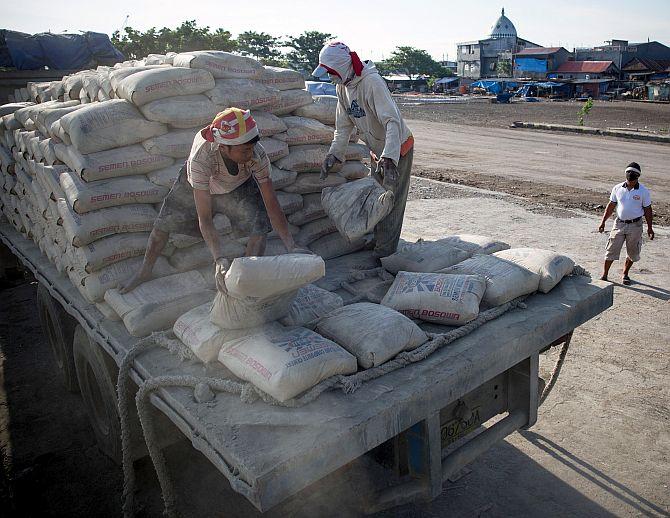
(631, 200)
(365, 103)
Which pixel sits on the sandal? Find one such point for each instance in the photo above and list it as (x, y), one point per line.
(625, 280)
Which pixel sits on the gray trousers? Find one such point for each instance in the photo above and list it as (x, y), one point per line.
(387, 231)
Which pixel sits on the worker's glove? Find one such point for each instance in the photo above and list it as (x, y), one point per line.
(390, 174)
(222, 265)
(328, 163)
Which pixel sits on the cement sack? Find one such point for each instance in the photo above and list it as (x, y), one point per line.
(335, 245)
(268, 124)
(505, 280)
(229, 312)
(311, 210)
(85, 197)
(8, 108)
(308, 158)
(97, 283)
(23, 115)
(356, 207)
(476, 244)
(161, 83)
(451, 300)
(119, 74)
(222, 65)
(372, 333)
(290, 100)
(353, 170)
(322, 109)
(156, 305)
(275, 149)
(109, 125)
(307, 183)
(10, 122)
(107, 311)
(281, 78)
(289, 202)
(267, 277)
(184, 111)
(46, 118)
(111, 249)
(82, 229)
(166, 177)
(310, 304)
(302, 130)
(314, 230)
(286, 363)
(57, 131)
(198, 255)
(242, 93)
(48, 151)
(550, 266)
(281, 178)
(175, 144)
(424, 256)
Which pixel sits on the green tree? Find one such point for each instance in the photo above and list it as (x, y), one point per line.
(413, 62)
(262, 46)
(504, 68)
(306, 47)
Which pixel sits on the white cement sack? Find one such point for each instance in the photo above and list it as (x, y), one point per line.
(119, 74)
(222, 65)
(57, 131)
(550, 266)
(156, 305)
(281, 178)
(83, 229)
(306, 183)
(505, 280)
(198, 255)
(372, 333)
(242, 93)
(476, 244)
(165, 177)
(310, 304)
(301, 131)
(8, 108)
(286, 363)
(311, 210)
(46, 118)
(424, 257)
(85, 197)
(160, 83)
(281, 78)
(107, 311)
(112, 249)
(231, 312)
(290, 100)
(322, 109)
(445, 299)
(175, 144)
(289, 202)
(268, 124)
(356, 207)
(183, 111)
(267, 277)
(308, 158)
(335, 245)
(275, 149)
(353, 170)
(314, 230)
(108, 125)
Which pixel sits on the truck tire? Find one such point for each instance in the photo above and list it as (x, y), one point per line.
(96, 381)
(58, 327)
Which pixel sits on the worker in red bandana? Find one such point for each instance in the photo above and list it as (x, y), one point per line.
(365, 103)
(227, 172)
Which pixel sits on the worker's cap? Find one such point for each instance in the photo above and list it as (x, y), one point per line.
(231, 127)
(322, 71)
(633, 171)
(336, 58)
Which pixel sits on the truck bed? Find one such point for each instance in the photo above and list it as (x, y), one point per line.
(273, 452)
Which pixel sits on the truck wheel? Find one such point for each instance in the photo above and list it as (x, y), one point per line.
(58, 327)
(98, 392)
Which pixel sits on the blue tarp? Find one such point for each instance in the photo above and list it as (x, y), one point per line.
(495, 87)
(446, 80)
(56, 51)
(320, 88)
(549, 85)
(530, 65)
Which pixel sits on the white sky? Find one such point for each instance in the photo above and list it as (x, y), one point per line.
(372, 28)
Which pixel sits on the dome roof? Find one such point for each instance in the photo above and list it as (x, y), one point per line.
(503, 28)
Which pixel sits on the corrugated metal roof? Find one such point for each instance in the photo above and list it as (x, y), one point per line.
(592, 67)
(540, 50)
(647, 64)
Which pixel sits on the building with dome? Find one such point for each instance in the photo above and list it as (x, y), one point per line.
(492, 57)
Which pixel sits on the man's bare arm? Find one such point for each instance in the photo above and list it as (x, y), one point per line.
(649, 216)
(608, 212)
(203, 206)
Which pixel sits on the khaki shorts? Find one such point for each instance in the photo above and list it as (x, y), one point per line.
(631, 234)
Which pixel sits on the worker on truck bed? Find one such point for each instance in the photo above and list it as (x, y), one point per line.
(632, 201)
(365, 103)
(227, 172)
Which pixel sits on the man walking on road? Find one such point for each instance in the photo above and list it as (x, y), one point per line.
(631, 200)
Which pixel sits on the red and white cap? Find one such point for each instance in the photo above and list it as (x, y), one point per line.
(231, 127)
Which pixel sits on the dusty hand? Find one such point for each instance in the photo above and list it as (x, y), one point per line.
(601, 228)
(390, 174)
(328, 163)
(650, 233)
(222, 265)
(133, 282)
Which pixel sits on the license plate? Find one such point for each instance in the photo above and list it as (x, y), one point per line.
(455, 429)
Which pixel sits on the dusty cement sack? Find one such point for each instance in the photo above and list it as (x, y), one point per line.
(85, 197)
(281, 78)
(550, 266)
(108, 125)
(231, 312)
(311, 209)
(175, 144)
(221, 224)
(335, 245)
(445, 299)
(222, 65)
(111, 249)
(8, 108)
(372, 333)
(424, 256)
(353, 170)
(166, 177)
(119, 74)
(156, 305)
(242, 93)
(301, 130)
(476, 244)
(275, 149)
(289, 202)
(314, 230)
(505, 280)
(107, 311)
(287, 362)
(183, 111)
(290, 100)
(267, 277)
(268, 124)
(322, 109)
(46, 118)
(306, 183)
(310, 304)
(308, 158)
(185, 259)
(356, 207)
(82, 229)
(281, 178)
(159, 83)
